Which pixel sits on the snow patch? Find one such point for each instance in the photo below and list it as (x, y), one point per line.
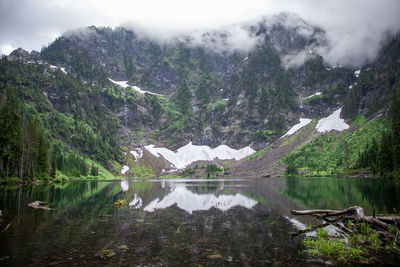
(137, 89)
(53, 67)
(357, 73)
(303, 122)
(332, 122)
(189, 201)
(137, 153)
(317, 93)
(124, 169)
(191, 153)
(125, 84)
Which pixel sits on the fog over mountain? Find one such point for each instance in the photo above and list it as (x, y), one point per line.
(355, 30)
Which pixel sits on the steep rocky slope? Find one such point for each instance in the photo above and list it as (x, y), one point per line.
(215, 93)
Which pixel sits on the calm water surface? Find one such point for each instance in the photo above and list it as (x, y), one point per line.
(243, 222)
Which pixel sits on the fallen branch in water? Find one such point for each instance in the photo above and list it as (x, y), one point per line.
(7, 226)
(363, 239)
(39, 205)
(356, 212)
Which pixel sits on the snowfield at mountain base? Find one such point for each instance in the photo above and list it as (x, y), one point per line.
(332, 122)
(191, 153)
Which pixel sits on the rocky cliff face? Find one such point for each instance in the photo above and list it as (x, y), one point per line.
(214, 90)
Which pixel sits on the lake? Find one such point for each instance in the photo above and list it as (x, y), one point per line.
(243, 222)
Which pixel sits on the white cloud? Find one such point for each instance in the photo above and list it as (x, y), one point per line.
(6, 49)
(355, 29)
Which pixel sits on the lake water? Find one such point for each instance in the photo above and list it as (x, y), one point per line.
(243, 222)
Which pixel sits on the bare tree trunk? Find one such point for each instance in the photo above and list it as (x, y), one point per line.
(21, 169)
(7, 167)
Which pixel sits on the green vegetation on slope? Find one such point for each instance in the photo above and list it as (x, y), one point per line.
(36, 134)
(336, 153)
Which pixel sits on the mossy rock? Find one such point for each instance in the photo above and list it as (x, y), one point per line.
(120, 202)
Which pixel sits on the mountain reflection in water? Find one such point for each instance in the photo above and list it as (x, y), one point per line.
(136, 203)
(189, 201)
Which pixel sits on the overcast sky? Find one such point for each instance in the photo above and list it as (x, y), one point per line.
(352, 26)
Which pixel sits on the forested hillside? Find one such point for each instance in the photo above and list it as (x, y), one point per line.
(64, 111)
(39, 136)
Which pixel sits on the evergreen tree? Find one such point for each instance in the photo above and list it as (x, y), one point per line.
(373, 155)
(203, 90)
(53, 165)
(385, 155)
(291, 168)
(263, 103)
(10, 136)
(367, 158)
(345, 153)
(43, 163)
(183, 97)
(395, 119)
(94, 171)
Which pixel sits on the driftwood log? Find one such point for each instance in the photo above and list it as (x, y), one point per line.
(354, 213)
(39, 205)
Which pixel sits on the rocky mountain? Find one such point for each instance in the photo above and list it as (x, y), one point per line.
(215, 93)
(241, 86)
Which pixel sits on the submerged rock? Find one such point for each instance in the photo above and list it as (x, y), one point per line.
(107, 253)
(123, 247)
(214, 257)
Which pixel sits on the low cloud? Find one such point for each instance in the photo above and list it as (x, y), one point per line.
(227, 39)
(354, 30)
(354, 48)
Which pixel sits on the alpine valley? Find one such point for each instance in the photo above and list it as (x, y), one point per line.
(103, 102)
